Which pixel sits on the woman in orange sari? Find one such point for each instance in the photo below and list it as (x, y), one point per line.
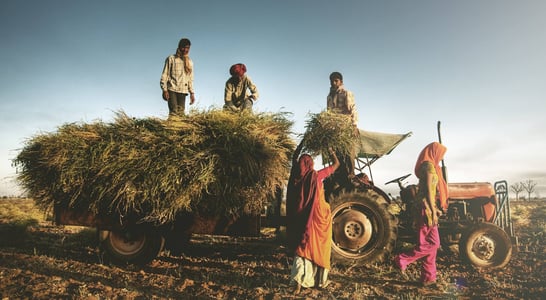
(431, 194)
(309, 222)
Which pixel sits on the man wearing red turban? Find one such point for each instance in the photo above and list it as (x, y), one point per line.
(240, 92)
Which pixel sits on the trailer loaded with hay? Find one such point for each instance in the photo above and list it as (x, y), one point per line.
(148, 183)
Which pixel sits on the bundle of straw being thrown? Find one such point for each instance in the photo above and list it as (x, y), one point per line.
(211, 162)
(327, 130)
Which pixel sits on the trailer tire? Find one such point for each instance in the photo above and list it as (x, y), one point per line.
(363, 229)
(137, 245)
(485, 245)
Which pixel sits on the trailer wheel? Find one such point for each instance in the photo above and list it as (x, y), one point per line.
(486, 245)
(137, 246)
(363, 230)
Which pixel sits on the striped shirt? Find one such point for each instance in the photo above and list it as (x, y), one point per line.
(237, 91)
(174, 77)
(343, 102)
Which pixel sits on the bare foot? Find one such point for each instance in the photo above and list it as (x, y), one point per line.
(322, 284)
(297, 290)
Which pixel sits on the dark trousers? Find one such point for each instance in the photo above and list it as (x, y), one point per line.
(341, 179)
(177, 103)
(246, 104)
(346, 169)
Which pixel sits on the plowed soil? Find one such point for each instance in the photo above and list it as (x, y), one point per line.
(39, 260)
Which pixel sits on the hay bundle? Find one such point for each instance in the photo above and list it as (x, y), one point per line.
(213, 162)
(329, 130)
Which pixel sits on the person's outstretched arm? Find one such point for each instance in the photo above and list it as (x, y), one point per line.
(297, 153)
(335, 165)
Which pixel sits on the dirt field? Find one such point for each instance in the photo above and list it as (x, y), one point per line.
(41, 261)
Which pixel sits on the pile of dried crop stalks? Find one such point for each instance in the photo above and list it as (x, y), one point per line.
(213, 162)
(329, 130)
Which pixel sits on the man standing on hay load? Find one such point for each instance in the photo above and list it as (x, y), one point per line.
(177, 78)
(342, 101)
(240, 92)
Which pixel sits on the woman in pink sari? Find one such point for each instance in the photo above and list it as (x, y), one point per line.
(309, 222)
(432, 192)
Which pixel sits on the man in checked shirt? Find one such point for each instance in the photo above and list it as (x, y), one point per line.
(177, 78)
(342, 101)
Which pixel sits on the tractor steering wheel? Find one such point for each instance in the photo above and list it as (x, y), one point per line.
(399, 179)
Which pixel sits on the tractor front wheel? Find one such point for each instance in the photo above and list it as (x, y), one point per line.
(486, 245)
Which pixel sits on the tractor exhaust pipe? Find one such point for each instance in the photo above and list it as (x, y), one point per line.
(444, 169)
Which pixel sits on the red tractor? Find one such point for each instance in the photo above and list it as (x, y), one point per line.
(368, 223)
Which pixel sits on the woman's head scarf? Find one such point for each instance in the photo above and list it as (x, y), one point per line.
(434, 153)
(300, 195)
(306, 165)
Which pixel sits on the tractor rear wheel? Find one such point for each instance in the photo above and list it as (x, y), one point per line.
(363, 230)
(486, 245)
(131, 246)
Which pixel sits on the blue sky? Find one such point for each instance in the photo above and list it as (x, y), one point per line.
(477, 66)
